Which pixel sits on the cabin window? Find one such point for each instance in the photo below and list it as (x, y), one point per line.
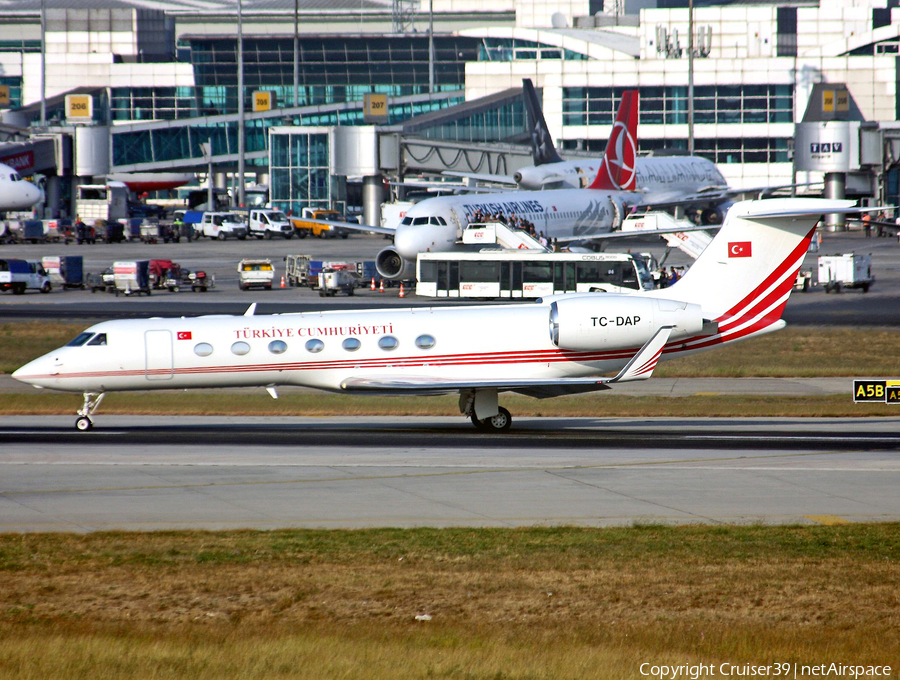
(278, 347)
(240, 348)
(80, 339)
(388, 343)
(203, 349)
(425, 341)
(314, 346)
(99, 339)
(351, 344)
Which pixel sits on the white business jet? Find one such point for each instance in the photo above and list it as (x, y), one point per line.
(563, 344)
(15, 192)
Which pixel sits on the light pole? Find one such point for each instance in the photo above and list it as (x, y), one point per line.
(240, 76)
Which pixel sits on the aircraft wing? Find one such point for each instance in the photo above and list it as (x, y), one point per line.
(631, 233)
(640, 367)
(715, 194)
(356, 226)
(481, 177)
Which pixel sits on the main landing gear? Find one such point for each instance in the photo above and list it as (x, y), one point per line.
(481, 406)
(91, 402)
(499, 423)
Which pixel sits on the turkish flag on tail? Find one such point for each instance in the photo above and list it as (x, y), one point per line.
(740, 249)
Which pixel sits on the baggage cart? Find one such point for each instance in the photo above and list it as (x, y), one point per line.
(132, 278)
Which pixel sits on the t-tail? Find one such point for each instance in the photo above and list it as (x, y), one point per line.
(617, 169)
(542, 149)
(744, 278)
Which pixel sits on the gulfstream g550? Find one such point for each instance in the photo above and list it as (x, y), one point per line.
(563, 344)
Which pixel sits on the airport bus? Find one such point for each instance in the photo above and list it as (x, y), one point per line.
(528, 274)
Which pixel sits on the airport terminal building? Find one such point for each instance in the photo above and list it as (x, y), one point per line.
(153, 86)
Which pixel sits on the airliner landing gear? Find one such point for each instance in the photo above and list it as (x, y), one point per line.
(91, 403)
(499, 423)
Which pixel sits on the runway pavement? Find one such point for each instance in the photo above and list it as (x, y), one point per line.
(143, 473)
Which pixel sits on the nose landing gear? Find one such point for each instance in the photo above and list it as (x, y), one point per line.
(91, 402)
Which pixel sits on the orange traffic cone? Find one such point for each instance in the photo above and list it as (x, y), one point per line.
(402, 294)
(282, 283)
(372, 287)
(381, 288)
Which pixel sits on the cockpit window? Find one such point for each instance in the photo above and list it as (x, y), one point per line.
(434, 220)
(406, 220)
(442, 221)
(99, 339)
(80, 339)
(420, 220)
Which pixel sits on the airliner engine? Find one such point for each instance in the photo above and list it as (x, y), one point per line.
(618, 321)
(391, 265)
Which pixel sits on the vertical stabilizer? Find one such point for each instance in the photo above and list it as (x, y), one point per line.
(542, 149)
(743, 279)
(617, 169)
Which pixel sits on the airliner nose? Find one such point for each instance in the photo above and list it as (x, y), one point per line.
(410, 242)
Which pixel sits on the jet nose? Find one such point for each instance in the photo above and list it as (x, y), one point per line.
(37, 372)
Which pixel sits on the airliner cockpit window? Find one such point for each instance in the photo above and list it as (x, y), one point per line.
(407, 220)
(99, 339)
(80, 339)
(434, 220)
(420, 220)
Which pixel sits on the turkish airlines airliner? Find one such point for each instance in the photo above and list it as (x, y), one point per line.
(563, 344)
(15, 192)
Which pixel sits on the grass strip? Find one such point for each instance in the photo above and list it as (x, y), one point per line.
(318, 404)
(531, 603)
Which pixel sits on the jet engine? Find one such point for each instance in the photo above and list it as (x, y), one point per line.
(391, 265)
(606, 321)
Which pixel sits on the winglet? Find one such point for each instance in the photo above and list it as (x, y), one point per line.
(642, 364)
(251, 310)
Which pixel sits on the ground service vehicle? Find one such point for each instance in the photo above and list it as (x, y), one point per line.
(334, 280)
(529, 274)
(845, 271)
(305, 227)
(66, 271)
(269, 223)
(132, 278)
(296, 270)
(222, 225)
(255, 274)
(19, 275)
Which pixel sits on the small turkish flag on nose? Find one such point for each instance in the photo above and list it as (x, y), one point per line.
(184, 335)
(740, 249)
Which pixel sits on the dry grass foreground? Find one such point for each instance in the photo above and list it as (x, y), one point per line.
(504, 603)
